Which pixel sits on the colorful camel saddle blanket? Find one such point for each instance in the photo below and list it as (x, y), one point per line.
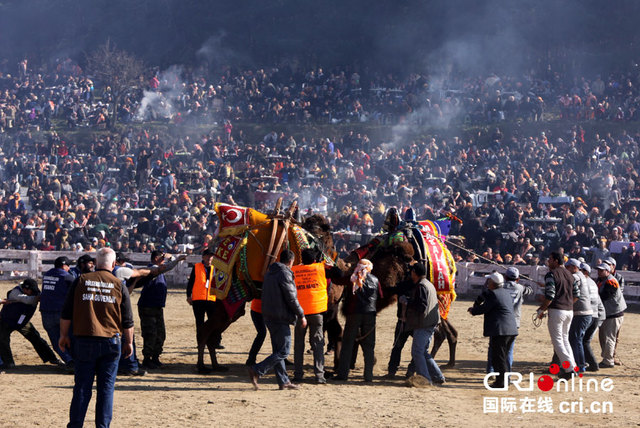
(235, 220)
(442, 266)
(224, 259)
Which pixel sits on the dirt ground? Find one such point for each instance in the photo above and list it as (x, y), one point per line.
(35, 394)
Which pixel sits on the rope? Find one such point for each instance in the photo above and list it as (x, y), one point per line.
(537, 322)
(461, 247)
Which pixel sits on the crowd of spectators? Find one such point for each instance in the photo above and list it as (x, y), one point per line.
(518, 197)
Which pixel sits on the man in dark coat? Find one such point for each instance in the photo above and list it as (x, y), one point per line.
(499, 323)
(280, 309)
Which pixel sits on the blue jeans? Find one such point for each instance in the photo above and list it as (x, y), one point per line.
(509, 358)
(422, 359)
(51, 324)
(130, 364)
(94, 357)
(579, 325)
(280, 344)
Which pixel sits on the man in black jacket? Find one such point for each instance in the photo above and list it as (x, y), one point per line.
(280, 309)
(360, 311)
(499, 323)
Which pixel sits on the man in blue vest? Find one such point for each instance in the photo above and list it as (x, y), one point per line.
(16, 313)
(55, 284)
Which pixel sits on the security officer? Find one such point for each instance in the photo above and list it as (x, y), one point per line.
(55, 284)
(100, 309)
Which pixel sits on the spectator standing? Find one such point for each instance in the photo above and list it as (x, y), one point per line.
(280, 309)
(518, 292)
(582, 314)
(56, 283)
(598, 316)
(100, 309)
(614, 306)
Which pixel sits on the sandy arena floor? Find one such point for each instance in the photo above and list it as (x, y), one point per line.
(35, 394)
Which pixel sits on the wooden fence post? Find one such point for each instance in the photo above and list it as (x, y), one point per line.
(34, 264)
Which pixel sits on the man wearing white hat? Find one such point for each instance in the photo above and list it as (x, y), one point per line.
(597, 317)
(582, 313)
(499, 323)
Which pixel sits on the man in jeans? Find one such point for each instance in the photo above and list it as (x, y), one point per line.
(582, 313)
(560, 292)
(55, 284)
(100, 309)
(422, 317)
(280, 309)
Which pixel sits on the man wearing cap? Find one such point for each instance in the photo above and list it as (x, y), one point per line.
(499, 323)
(55, 284)
(518, 292)
(597, 317)
(612, 268)
(85, 264)
(151, 310)
(582, 313)
(16, 313)
(560, 291)
(203, 300)
(614, 306)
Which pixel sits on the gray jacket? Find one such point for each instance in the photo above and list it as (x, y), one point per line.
(279, 295)
(612, 298)
(597, 308)
(517, 291)
(422, 307)
(582, 306)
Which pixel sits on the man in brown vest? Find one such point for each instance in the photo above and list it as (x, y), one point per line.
(99, 307)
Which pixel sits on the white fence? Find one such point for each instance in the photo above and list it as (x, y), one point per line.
(470, 279)
(16, 264)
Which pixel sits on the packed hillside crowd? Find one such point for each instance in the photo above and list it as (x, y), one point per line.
(518, 198)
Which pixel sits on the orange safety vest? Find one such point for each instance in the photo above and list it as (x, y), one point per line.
(312, 287)
(202, 284)
(256, 305)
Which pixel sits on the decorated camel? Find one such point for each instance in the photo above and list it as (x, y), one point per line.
(247, 242)
(406, 242)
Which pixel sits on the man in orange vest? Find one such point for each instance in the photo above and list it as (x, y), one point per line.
(202, 299)
(311, 284)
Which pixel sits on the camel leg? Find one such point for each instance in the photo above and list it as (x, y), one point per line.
(452, 339)
(439, 335)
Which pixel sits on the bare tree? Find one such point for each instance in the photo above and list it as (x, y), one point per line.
(117, 69)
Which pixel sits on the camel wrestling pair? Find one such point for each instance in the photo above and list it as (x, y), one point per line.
(248, 241)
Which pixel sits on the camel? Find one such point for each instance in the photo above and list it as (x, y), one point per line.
(390, 265)
(274, 239)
